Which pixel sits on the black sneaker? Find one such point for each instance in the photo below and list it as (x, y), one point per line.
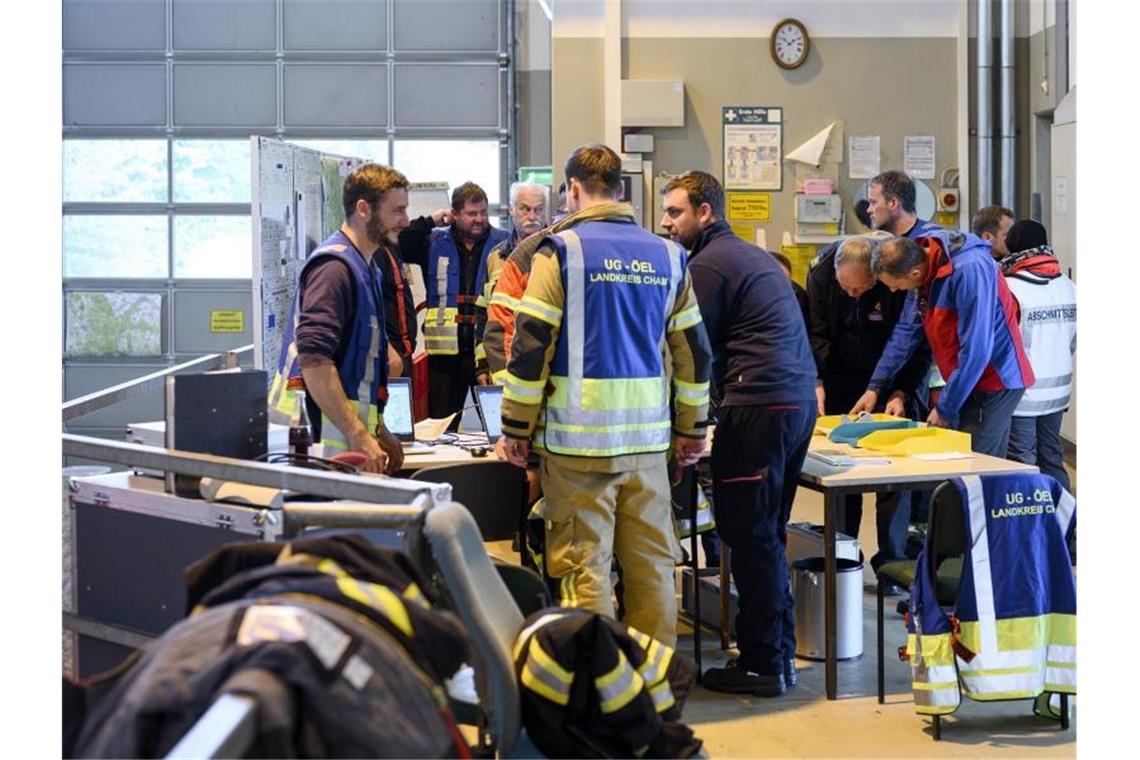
(790, 677)
(734, 679)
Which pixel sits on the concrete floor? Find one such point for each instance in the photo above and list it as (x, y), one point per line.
(805, 724)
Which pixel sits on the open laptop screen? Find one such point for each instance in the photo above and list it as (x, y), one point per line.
(490, 399)
(398, 412)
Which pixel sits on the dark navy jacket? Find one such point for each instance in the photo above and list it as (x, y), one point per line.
(760, 346)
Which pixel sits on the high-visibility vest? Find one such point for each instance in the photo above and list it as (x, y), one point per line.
(364, 369)
(1012, 633)
(1049, 334)
(442, 318)
(609, 392)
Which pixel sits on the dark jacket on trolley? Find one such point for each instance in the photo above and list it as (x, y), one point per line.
(594, 687)
(332, 637)
(848, 335)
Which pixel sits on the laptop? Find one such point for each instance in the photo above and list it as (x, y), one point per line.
(398, 415)
(469, 420)
(489, 399)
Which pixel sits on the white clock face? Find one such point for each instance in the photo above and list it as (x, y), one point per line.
(790, 44)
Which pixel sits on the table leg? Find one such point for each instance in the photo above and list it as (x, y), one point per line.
(830, 612)
(696, 574)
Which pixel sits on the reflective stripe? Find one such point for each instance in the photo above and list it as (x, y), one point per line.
(936, 700)
(441, 267)
(414, 595)
(675, 275)
(540, 309)
(380, 598)
(1046, 406)
(332, 436)
(588, 441)
(531, 629)
(569, 594)
(500, 378)
(1057, 381)
(1057, 655)
(499, 298)
(686, 319)
(662, 695)
(1060, 679)
(1065, 509)
(657, 659)
(618, 687)
(364, 403)
(601, 401)
(980, 561)
(693, 394)
(522, 391)
(575, 327)
(999, 685)
(544, 676)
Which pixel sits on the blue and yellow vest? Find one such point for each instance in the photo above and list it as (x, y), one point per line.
(609, 391)
(1013, 631)
(363, 370)
(442, 319)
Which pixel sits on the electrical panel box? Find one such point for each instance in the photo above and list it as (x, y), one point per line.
(636, 143)
(652, 103)
(819, 209)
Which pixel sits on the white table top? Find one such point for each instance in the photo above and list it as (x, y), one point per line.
(901, 469)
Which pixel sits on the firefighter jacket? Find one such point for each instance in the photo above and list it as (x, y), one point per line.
(1047, 315)
(594, 687)
(1013, 631)
(447, 307)
(364, 369)
(587, 376)
(494, 267)
(341, 664)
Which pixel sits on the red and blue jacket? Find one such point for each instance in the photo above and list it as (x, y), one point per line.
(970, 319)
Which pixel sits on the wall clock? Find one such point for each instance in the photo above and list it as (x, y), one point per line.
(789, 44)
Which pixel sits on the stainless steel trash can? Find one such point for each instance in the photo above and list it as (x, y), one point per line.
(807, 588)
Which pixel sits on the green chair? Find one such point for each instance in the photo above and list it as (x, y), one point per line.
(948, 537)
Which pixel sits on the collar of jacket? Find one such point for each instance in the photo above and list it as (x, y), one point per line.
(610, 211)
(1039, 261)
(708, 234)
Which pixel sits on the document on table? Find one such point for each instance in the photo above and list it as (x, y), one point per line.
(431, 429)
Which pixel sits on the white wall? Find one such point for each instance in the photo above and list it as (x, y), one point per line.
(736, 18)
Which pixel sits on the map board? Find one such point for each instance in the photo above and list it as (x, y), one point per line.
(297, 203)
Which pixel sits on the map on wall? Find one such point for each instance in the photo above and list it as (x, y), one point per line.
(297, 204)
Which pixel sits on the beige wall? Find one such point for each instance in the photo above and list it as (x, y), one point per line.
(890, 87)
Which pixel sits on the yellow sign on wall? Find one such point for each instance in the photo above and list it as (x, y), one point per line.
(750, 207)
(744, 232)
(227, 321)
(946, 219)
(800, 256)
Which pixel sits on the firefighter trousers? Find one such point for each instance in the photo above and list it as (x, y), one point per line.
(591, 517)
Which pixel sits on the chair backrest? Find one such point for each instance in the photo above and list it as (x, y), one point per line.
(486, 607)
(947, 523)
(495, 493)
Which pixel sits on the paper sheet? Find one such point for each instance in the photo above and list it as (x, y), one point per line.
(863, 156)
(825, 146)
(918, 156)
(431, 428)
